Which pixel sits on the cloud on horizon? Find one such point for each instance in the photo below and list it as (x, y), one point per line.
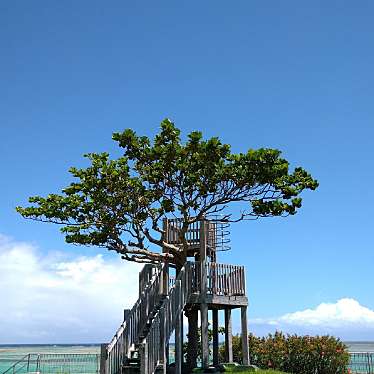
(345, 318)
(50, 298)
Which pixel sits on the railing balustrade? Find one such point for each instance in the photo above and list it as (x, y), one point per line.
(192, 235)
(361, 362)
(165, 321)
(222, 280)
(52, 363)
(129, 333)
(216, 233)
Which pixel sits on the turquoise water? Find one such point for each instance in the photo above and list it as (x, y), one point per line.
(84, 359)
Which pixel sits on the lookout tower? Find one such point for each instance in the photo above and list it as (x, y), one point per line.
(201, 286)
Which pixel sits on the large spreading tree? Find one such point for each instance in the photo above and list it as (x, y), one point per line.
(120, 203)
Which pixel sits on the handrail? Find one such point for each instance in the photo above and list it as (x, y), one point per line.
(221, 280)
(50, 363)
(217, 233)
(165, 320)
(129, 332)
(13, 369)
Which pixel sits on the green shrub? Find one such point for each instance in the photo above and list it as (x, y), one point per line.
(294, 354)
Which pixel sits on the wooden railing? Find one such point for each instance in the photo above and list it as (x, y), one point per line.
(216, 233)
(174, 228)
(165, 322)
(146, 276)
(222, 279)
(225, 280)
(130, 331)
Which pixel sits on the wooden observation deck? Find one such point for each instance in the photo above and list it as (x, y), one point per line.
(202, 286)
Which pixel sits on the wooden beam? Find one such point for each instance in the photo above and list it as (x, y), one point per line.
(192, 339)
(204, 305)
(215, 337)
(178, 337)
(228, 336)
(163, 342)
(244, 320)
(204, 335)
(143, 350)
(103, 358)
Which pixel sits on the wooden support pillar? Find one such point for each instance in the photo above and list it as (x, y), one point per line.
(228, 336)
(204, 335)
(143, 350)
(163, 342)
(244, 320)
(215, 337)
(178, 339)
(203, 289)
(126, 313)
(164, 286)
(192, 339)
(103, 358)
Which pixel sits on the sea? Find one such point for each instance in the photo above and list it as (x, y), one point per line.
(10, 354)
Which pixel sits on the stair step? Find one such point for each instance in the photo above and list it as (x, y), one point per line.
(130, 369)
(131, 361)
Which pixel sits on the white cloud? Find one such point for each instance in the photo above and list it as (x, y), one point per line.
(49, 298)
(342, 313)
(345, 318)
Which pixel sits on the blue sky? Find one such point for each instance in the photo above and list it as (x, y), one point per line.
(293, 75)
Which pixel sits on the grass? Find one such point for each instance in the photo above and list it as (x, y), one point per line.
(235, 368)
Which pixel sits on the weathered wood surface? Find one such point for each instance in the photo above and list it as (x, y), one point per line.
(219, 302)
(193, 338)
(215, 337)
(244, 322)
(129, 333)
(203, 292)
(221, 279)
(204, 283)
(228, 336)
(171, 311)
(193, 238)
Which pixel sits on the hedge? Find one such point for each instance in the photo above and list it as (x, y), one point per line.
(295, 354)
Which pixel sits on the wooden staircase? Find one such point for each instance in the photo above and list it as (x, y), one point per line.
(141, 344)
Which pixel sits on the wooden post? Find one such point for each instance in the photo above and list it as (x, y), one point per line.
(228, 336)
(163, 339)
(165, 280)
(165, 272)
(243, 312)
(103, 358)
(143, 350)
(215, 337)
(126, 313)
(192, 339)
(204, 335)
(203, 305)
(178, 338)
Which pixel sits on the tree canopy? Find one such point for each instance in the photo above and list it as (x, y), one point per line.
(120, 203)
